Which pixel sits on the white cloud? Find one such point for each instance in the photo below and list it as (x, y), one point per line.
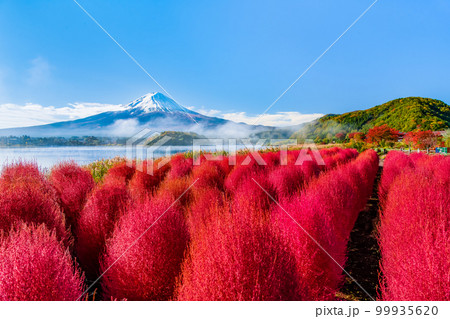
(276, 119)
(39, 71)
(30, 114)
(13, 115)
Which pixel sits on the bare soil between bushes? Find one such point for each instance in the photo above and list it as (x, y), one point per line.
(363, 254)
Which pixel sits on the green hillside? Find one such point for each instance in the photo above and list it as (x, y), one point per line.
(406, 114)
(173, 138)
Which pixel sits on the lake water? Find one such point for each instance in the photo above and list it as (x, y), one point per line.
(46, 157)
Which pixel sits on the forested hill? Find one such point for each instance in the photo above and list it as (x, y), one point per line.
(172, 138)
(405, 114)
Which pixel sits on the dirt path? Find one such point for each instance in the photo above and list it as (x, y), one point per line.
(363, 252)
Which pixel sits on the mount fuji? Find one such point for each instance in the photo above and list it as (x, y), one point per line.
(154, 111)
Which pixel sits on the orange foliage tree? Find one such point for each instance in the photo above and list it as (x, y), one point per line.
(382, 133)
(357, 136)
(421, 139)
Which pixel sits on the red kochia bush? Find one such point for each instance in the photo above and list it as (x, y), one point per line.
(204, 203)
(178, 189)
(286, 180)
(394, 163)
(208, 174)
(254, 191)
(146, 179)
(28, 171)
(310, 170)
(342, 156)
(272, 159)
(235, 257)
(97, 222)
(26, 196)
(180, 166)
(122, 171)
(72, 185)
(35, 266)
(147, 249)
(414, 235)
(326, 210)
(239, 173)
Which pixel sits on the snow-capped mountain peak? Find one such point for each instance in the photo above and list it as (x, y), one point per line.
(156, 102)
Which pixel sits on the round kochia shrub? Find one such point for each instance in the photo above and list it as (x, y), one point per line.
(72, 185)
(253, 192)
(208, 174)
(97, 222)
(236, 257)
(122, 171)
(242, 171)
(204, 204)
(145, 252)
(26, 196)
(146, 179)
(325, 212)
(34, 265)
(414, 233)
(178, 189)
(286, 180)
(22, 171)
(180, 166)
(394, 163)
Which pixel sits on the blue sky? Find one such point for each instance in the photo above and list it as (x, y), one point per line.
(229, 56)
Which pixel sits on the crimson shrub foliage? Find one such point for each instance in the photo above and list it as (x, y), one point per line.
(254, 191)
(237, 257)
(180, 166)
(145, 252)
(72, 185)
(208, 174)
(122, 171)
(317, 224)
(146, 180)
(241, 172)
(160, 236)
(394, 163)
(178, 189)
(27, 196)
(34, 265)
(287, 180)
(337, 157)
(414, 231)
(204, 203)
(96, 224)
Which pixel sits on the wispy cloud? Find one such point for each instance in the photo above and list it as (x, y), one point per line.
(38, 72)
(30, 114)
(14, 115)
(276, 119)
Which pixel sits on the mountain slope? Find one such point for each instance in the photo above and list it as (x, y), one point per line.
(174, 138)
(405, 114)
(153, 111)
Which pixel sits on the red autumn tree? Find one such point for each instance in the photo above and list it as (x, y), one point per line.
(421, 139)
(378, 134)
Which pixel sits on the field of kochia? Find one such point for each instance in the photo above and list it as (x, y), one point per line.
(216, 231)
